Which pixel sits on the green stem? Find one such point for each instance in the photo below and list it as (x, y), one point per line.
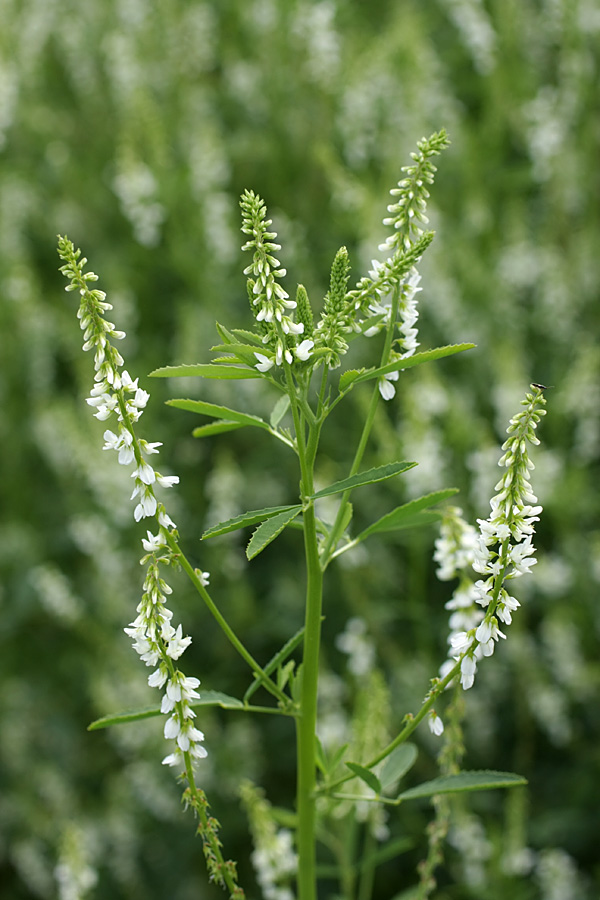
(190, 572)
(224, 625)
(219, 869)
(411, 724)
(365, 884)
(307, 720)
(334, 534)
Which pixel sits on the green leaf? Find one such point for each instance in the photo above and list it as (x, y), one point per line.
(404, 516)
(464, 781)
(397, 764)
(370, 476)
(366, 325)
(349, 377)
(366, 775)
(247, 518)
(337, 757)
(208, 698)
(204, 370)
(276, 660)
(211, 409)
(284, 674)
(321, 757)
(244, 352)
(218, 427)
(279, 410)
(226, 336)
(269, 530)
(251, 336)
(347, 518)
(418, 520)
(415, 360)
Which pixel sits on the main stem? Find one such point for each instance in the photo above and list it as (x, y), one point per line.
(307, 720)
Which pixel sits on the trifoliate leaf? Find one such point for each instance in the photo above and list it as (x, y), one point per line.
(208, 698)
(218, 427)
(249, 336)
(349, 377)
(240, 353)
(211, 409)
(276, 660)
(464, 781)
(366, 775)
(279, 410)
(370, 476)
(416, 360)
(245, 519)
(405, 515)
(226, 336)
(397, 764)
(205, 370)
(269, 530)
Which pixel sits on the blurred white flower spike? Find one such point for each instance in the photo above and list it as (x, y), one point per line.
(502, 551)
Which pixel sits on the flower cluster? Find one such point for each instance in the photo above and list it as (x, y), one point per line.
(160, 644)
(455, 554)
(270, 301)
(155, 639)
(398, 274)
(407, 316)
(504, 548)
(409, 209)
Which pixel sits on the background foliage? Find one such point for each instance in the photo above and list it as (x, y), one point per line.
(133, 128)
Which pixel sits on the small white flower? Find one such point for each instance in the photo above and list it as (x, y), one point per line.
(158, 678)
(164, 519)
(167, 481)
(264, 362)
(460, 642)
(302, 351)
(149, 447)
(141, 398)
(147, 505)
(154, 542)
(436, 726)
(178, 644)
(145, 473)
(290, 327)
(172, 727)
(386, 388)
(468, 667)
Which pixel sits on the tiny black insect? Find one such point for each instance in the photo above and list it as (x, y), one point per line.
(542, 387)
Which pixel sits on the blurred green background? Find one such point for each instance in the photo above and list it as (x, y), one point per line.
(133, 127)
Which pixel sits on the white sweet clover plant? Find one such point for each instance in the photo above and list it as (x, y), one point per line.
(298, 358)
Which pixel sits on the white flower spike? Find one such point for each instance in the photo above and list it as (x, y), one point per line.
(154, 638)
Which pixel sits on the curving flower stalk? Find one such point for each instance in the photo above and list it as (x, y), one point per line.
(115, 394)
